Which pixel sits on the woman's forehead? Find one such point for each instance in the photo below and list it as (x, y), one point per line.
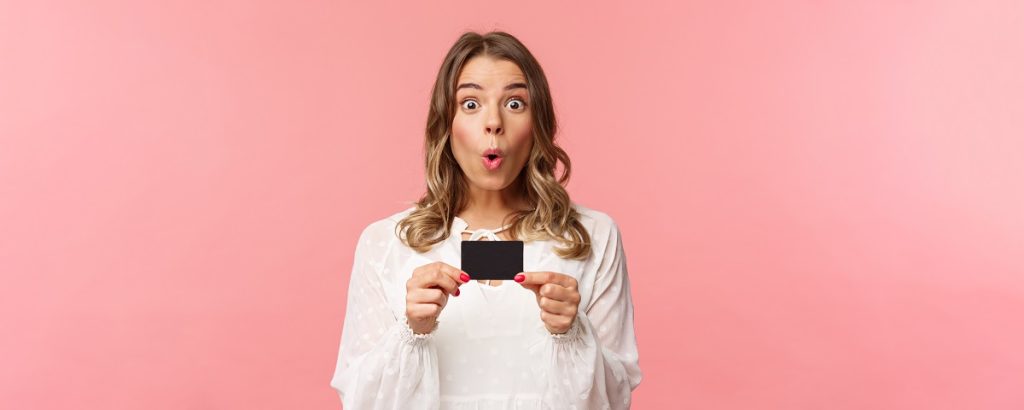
(488, 73)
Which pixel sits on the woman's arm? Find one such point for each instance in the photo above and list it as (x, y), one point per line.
(595, 365)
(381, 363)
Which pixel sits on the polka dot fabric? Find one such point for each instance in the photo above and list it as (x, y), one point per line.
(489, 348)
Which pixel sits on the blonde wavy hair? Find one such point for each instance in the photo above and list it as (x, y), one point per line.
(551, 216)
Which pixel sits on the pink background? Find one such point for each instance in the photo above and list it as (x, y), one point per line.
(821, 203)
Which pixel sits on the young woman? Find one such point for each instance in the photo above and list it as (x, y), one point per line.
(419, 333)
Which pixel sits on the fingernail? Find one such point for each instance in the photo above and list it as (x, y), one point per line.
(464, 277)
(520, 278)
(456, 291)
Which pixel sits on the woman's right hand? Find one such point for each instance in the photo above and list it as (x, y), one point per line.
(426, 293)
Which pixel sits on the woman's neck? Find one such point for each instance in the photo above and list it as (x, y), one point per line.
(489, 209)
(486, 218)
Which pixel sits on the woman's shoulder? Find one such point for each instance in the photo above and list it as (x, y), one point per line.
(383, 228)
(597, 222)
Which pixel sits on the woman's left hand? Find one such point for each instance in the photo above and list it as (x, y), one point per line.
(557, 297)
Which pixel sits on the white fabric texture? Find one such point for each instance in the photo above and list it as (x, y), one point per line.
(489, 348)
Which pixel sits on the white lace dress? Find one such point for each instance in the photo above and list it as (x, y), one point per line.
(490, 349)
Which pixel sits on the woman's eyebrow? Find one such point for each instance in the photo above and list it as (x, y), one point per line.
(478, 87)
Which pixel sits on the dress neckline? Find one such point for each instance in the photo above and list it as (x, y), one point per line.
(461, 224)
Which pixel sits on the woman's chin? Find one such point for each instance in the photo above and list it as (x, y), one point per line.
(491, 182)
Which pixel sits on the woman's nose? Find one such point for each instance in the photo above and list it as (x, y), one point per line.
(493, 125)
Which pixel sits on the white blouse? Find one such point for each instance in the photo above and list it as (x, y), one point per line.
(490, 349)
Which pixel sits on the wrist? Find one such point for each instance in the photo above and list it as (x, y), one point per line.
(422, 327)
(572, 335)
(409, 336)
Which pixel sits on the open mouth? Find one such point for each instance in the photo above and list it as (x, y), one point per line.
(492, 158)
(492, 162)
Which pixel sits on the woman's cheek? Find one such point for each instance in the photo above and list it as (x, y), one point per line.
(460, 138)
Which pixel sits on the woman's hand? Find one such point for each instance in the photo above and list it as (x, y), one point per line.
(557, 297)
(426, 293)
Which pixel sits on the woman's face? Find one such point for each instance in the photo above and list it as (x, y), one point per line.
(492, 113)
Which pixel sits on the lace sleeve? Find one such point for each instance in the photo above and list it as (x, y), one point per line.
(595, 365)
(381, 363)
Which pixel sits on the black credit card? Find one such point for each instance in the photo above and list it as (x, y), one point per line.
(496, 260)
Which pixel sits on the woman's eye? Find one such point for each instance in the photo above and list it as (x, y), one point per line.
(469, 104)
(515, 104)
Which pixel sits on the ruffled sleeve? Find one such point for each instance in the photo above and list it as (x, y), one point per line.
(381, 364)
(595, 365)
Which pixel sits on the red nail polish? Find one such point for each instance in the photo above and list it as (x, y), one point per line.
(520, 278)
(464, 277)
(456, 291)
